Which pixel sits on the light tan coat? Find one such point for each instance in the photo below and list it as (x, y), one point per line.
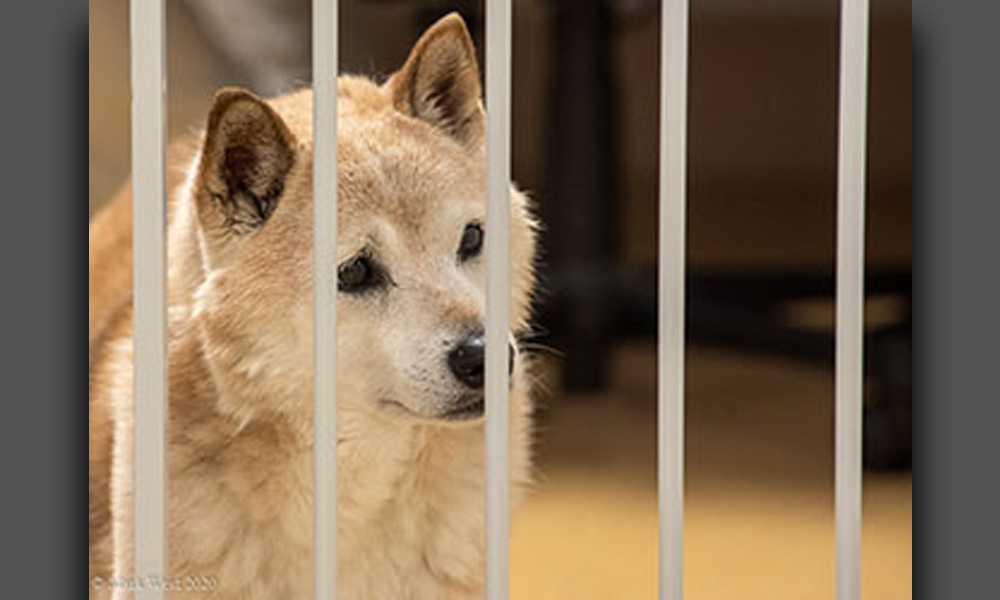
(239, 461)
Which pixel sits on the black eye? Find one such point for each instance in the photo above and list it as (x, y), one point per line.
(472, 242)
(358, 275)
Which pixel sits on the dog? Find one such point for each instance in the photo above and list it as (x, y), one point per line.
(410, 302)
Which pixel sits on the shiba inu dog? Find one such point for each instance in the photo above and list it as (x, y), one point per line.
(411, 304)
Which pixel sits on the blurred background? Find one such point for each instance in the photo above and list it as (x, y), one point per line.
(762, 181)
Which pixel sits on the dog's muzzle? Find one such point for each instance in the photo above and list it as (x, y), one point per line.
(467, 361)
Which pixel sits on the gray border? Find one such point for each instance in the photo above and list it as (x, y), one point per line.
(957, 187)
(43, 53)
(957, 214)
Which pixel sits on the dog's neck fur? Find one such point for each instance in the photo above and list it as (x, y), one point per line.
(390, 482)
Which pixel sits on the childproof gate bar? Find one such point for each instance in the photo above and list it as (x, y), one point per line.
(850, 291)
(149, 247)
(325, 31)
(498, 86)
(671, 256)
(149, 375)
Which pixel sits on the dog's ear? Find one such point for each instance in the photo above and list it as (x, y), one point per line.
(439, 83)
(247, 155)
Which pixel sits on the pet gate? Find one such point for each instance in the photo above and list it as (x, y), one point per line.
(149, 223)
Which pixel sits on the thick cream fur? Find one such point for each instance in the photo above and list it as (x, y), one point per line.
(410, 505)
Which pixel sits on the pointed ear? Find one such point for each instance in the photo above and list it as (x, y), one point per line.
(246, 157)
(440, 81)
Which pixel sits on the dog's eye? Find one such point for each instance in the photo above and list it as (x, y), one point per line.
(472, 242)
(358, 275)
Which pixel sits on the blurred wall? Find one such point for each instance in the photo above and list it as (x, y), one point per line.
(762, 131)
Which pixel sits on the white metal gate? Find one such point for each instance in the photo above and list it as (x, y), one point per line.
(149, 247)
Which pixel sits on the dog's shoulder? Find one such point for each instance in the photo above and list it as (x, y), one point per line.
(110, 239)
(106, 359)
(109, 337)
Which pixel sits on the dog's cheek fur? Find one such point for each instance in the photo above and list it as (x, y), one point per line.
(257, 352)
(523, 245)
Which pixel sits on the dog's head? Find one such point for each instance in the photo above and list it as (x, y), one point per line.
(411, 269)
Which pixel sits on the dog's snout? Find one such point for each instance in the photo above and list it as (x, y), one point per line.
(467, 361)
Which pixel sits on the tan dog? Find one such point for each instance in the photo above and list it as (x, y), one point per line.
(411, 305)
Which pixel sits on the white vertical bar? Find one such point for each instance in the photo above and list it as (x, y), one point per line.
(850, 291)
(325, 64)
(149, 379)
(498, 50)
(670, 337)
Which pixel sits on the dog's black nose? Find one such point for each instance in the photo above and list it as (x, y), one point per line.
(467, 359)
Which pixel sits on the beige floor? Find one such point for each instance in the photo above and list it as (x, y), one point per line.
(759, 497)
